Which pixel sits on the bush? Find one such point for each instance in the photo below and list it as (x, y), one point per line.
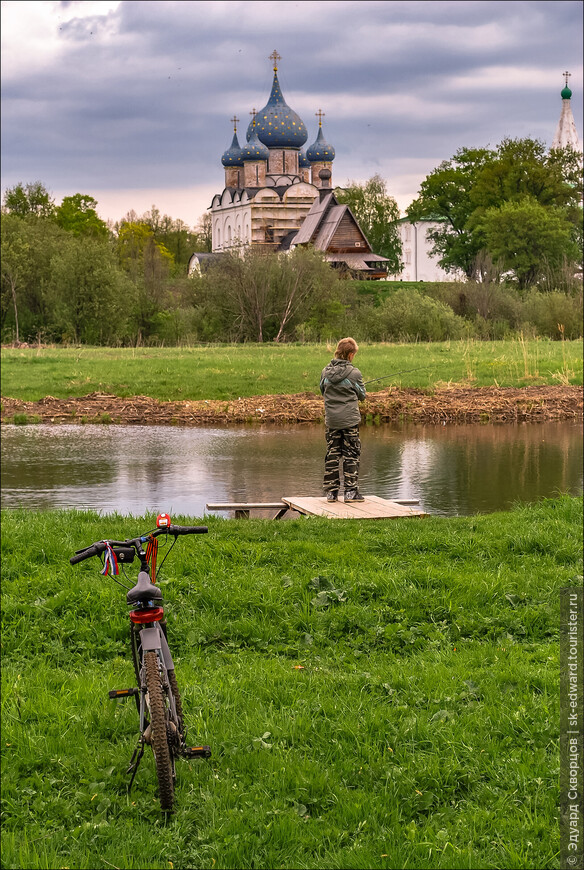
(409, 316)
(554, 314)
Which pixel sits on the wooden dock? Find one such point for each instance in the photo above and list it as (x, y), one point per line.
(373, 508)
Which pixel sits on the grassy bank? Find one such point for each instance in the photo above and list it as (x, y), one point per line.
(227, 372)
(376, 694)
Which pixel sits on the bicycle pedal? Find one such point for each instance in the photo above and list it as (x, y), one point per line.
(197, 752)
(123, 693)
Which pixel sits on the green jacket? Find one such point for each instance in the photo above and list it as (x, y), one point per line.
(342, 386)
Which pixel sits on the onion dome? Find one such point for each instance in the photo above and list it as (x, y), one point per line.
(254, 150)
(232, 157)
(278, 126)
(566, 92)
(303, 161)
(320, 151)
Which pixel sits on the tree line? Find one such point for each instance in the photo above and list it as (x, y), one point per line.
(509, 219)
(67, 276)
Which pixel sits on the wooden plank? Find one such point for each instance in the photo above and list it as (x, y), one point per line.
(373, 507)
(242, 509)
(247, 506)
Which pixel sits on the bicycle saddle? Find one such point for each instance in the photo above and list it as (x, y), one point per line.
(144, 590)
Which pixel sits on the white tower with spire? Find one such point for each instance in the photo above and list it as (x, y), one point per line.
(566, 133)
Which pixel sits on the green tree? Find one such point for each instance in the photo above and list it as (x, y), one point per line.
(77, 215)
(519, 168)
(40, 240)
(149, 265)
(140, 254)
(377, 214)
(13, 264)
(462, 190)
(31, 199)
(446, 194)
(175, 235)
(528, 239)
(92, 298)
(204, 234)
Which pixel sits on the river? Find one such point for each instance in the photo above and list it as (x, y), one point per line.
(452, 469)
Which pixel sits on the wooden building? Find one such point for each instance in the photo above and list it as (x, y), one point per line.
(333, 229)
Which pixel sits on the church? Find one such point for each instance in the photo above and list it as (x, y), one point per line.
(278, 194)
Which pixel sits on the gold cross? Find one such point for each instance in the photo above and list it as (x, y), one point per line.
(275, 57)
(254, 113)
(567, 74)
(320, 115)
(235, 122)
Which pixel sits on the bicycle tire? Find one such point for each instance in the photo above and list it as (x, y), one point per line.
(159, 733)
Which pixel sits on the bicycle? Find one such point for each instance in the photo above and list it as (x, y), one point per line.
(157, 695)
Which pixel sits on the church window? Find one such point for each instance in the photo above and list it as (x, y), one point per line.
(408, 254)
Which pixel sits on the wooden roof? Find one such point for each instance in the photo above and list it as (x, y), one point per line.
(333, 229)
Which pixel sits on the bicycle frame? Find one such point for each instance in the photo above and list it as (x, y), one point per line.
(157, 695)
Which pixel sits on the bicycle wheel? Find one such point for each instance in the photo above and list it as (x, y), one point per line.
(159, 738)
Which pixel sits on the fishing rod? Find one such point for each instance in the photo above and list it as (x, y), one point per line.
(393, 374)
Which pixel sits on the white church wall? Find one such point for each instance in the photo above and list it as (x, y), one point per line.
(231, 226)
(419, 262)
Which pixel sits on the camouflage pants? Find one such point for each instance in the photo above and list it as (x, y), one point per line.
(343, 447)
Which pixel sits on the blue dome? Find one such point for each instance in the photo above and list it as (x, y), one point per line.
(320, 150)
(254, 150)
(277, 125)
(232, 157)
(303, 161)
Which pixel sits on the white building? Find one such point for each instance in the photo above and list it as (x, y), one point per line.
(419, 263)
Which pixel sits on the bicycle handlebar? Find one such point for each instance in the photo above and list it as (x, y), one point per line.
(100, 546)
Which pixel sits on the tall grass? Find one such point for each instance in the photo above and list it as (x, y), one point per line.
(227, 372)
(377, 694)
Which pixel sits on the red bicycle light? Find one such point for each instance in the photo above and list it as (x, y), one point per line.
(162, 521)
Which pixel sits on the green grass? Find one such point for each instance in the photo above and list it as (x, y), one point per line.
(227, 372)
(377, 694)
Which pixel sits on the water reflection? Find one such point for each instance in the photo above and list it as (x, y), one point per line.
(132, 470)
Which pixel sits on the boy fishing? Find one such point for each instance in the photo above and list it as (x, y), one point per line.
(341, 384)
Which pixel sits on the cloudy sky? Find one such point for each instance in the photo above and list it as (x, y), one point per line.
(130, 101)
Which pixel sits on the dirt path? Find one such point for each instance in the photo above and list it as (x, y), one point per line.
(450, 404)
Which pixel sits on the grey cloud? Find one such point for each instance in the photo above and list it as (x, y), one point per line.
(142, 96)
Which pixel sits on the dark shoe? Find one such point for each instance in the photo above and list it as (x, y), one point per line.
(332, 496)
(353, 495)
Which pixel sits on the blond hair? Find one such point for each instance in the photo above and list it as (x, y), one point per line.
(345, 347)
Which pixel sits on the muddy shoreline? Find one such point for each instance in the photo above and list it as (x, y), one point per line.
(446, 405)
